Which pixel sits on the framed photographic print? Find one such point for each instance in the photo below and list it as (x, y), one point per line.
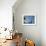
(29, 20)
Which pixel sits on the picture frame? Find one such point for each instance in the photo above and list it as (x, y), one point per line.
(29, 19)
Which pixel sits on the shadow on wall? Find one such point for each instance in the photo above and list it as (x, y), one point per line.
(37, 41)
(28, 6)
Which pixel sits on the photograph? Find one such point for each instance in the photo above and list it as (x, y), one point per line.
(29, 20)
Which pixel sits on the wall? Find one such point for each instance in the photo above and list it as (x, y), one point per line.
(6, 13)
(43, 22)
(29, 7)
